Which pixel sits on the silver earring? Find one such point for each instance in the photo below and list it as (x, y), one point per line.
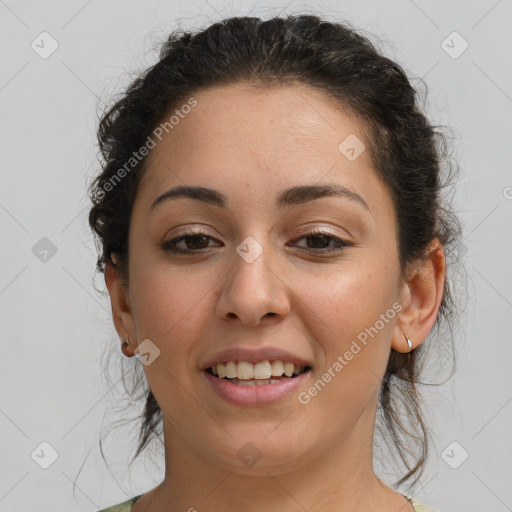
(126, 343)
(409, 342)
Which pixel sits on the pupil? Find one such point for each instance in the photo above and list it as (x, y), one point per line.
(324, 237)
(203, 238)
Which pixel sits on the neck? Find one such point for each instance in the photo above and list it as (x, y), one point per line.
(337, 477)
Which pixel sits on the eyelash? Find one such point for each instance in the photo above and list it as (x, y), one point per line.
(170, 246)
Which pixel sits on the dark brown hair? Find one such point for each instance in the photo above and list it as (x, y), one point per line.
(409, 154)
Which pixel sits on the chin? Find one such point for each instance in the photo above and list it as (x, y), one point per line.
(256, 452)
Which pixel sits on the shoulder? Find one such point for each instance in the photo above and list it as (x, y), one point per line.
(419, 507)
(127, 506)
(122, 507)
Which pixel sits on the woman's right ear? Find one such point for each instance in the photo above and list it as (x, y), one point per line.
(122, 314)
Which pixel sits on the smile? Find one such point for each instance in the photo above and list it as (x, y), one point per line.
(255, 391)
(244, 373)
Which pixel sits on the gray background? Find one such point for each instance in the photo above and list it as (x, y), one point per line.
(55, 326)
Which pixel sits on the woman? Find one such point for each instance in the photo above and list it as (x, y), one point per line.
(274, 245)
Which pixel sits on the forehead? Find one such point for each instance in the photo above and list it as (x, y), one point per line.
(259, 138)
(255, 116)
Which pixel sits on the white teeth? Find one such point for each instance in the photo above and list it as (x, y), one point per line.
(255, 382)
(244, 370)
(288, 369)
(277, 368)
(231, 370)
(262, 371)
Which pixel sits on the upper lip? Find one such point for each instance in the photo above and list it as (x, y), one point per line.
(254, 356)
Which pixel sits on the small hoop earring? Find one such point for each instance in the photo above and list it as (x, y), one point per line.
(126, 343)
(409, 342)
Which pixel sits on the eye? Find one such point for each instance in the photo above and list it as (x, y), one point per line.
(193, 241)
(321, 240)
(196, 242)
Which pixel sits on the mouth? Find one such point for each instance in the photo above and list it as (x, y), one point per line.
(263, 373)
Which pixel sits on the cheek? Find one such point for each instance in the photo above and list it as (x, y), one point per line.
(346, 300)
(345, 317)
(350, 313)
(170, 309)
(169, 303)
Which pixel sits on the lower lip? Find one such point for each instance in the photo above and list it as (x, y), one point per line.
(255, 395)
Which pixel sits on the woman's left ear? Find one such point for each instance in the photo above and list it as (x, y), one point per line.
(420, 298)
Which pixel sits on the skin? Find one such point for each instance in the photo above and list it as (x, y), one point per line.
(250, 143)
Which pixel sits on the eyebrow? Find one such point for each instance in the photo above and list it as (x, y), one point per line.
(289, 197)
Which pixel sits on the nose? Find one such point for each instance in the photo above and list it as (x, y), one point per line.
(253, 291)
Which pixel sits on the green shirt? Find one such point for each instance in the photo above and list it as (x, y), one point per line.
(122, 507)
(127, 505)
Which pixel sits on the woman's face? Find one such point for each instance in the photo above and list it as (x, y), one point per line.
(257, 282)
